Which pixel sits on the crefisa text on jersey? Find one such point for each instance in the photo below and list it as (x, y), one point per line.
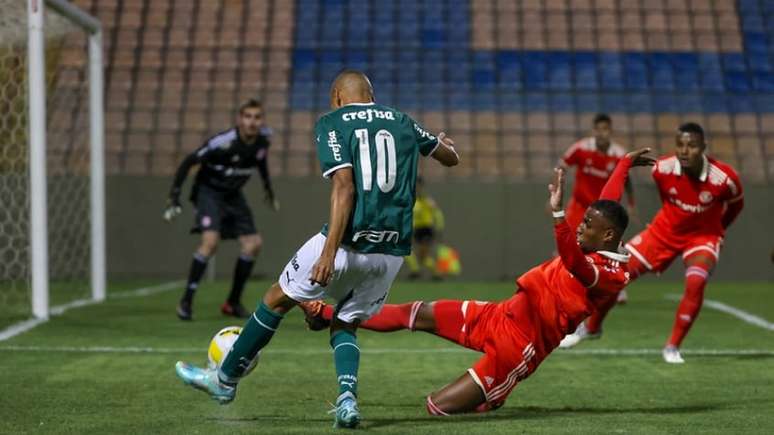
(368, 115)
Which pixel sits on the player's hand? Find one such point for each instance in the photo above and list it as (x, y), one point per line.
(271, 200)
(173, 209)
(556, 190)
(639, 158)
(322, 272)
(442, 138)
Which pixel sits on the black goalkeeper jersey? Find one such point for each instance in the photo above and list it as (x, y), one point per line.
(227, 162)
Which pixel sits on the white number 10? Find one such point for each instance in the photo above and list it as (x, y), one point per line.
(386, 160)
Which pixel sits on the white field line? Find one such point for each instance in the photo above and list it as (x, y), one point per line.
(58, 310)
(376, 351)
(742, 315)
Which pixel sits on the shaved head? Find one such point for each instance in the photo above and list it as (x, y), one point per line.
(351, 86)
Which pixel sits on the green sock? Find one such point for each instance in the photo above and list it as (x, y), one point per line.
(255, 335)
(346, 356)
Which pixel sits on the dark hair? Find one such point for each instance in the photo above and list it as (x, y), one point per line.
(614, 212)
(252, 103)
(602, 117)
(691, 127)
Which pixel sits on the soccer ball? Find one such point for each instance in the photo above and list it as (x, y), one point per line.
(221, 345)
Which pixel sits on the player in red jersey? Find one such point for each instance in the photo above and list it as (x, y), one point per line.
(551, 299)
(594, 158)
(700, 198)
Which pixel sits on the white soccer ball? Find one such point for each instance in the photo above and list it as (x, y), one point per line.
(221, 345)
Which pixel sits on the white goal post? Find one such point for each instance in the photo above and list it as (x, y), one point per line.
(37, 126)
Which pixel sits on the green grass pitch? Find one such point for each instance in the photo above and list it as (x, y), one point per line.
(81, 373)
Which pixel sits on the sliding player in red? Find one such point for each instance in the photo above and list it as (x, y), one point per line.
(700, 198)
(515, 335)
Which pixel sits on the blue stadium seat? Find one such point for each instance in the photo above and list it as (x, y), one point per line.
(562, 102)
(712, 80)
(639, 102)
(536, 101)
(756, 42)
(714, 103)
(737, 81)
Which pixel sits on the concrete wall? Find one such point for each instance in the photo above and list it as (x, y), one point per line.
(500, 229)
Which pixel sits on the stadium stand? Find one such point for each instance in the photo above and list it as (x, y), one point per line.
(513, 81)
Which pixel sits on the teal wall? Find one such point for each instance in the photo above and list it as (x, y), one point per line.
(500, 229)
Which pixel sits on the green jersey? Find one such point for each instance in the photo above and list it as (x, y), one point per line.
(382, 145)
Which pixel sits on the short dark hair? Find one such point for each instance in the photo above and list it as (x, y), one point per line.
(691, 127)
(614, 212)
(252, 103)
(602, 117)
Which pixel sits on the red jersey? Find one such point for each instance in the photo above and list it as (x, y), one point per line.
(593, 168)
(692, 207)
(559, 298)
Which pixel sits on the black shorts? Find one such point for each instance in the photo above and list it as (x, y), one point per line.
(224, 212)
(424, 235)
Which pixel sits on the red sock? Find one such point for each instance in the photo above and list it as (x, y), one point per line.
(594, 323)
(392, 317)
(695, 281)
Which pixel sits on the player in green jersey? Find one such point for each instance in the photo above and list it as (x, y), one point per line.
(370, 152)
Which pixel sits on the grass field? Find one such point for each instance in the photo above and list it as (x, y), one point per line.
(108, 369)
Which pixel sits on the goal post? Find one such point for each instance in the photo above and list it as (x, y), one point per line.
(92, 27)
(52, 175)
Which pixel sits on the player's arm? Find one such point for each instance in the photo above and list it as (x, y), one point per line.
(174, 208)
(441, 148)
(263, 170)
(445, 152)
(734, 205)
(566, 242)
(618, 180)
(342, 202)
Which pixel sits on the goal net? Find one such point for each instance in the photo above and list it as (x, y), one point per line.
(67, 162)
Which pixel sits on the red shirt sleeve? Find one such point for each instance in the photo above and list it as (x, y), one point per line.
(614, 187)
(735, 201)
(570, 157)
(572, 256)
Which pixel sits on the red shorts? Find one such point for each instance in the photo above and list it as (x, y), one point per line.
(509, 356)
(574, 213)
(656, 255)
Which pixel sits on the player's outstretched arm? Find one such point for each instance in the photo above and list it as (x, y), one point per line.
(174, 208)
(445, 152)
(615, 185)
(342, 201)
(566, 243)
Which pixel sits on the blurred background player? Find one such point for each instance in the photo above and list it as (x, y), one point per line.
(370, 152)
(227, 161)
(594, 159)
(428, 224)
(700, 197)
(517, 334)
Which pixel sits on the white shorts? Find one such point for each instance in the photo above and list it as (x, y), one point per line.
(360, 282)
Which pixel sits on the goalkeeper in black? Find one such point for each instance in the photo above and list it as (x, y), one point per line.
(226, 160)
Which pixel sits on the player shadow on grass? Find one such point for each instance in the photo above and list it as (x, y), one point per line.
(538, 412)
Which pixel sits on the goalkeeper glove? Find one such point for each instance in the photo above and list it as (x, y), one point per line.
(173, 209)
(271, 201)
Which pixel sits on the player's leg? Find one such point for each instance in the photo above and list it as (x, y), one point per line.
(346, 358)
(699, 264)
(462, 395)
(250, 246)
(260, 327)
(206, 249)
